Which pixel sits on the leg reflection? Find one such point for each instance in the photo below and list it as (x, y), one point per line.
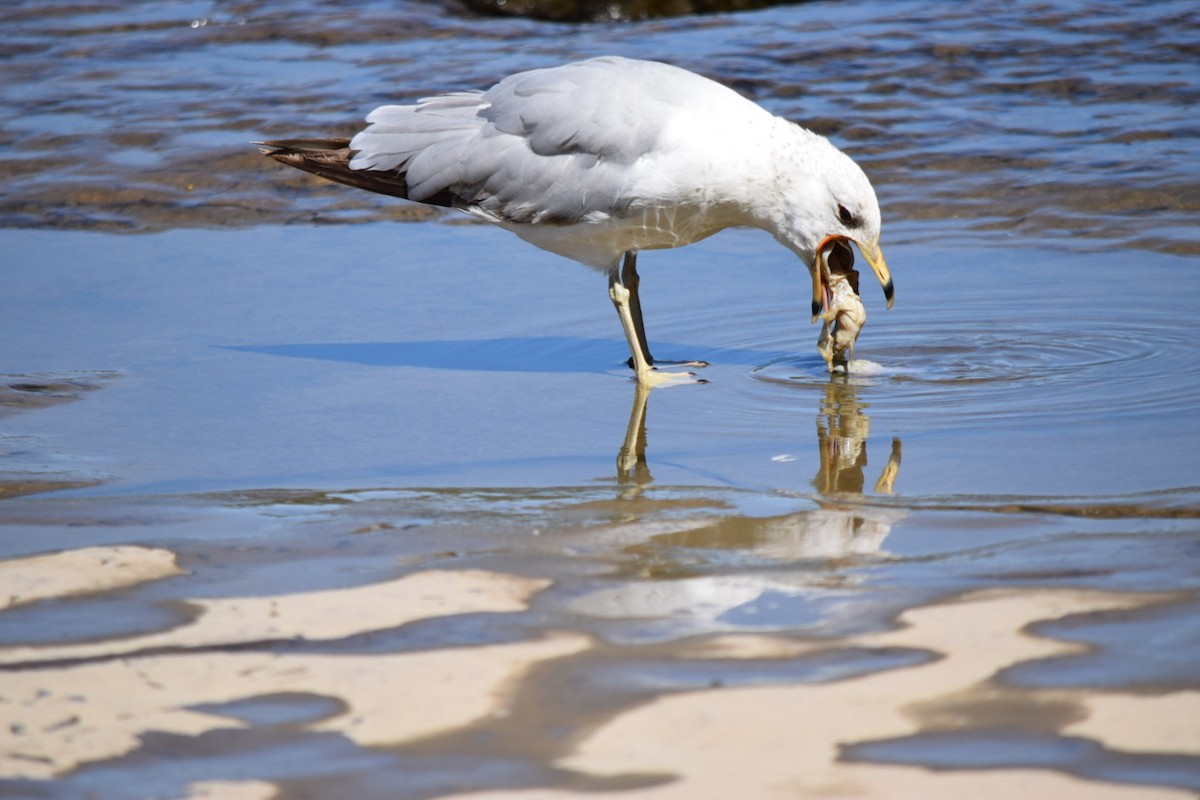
(632, 469)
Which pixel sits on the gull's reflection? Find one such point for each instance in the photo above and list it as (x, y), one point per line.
(843, 429)
(844, 524)
(672, 588)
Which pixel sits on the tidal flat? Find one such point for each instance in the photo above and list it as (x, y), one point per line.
(306, 493)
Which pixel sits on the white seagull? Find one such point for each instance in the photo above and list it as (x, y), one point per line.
(598, 159)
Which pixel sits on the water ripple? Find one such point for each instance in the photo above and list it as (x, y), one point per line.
(1012, 116)
(986, 347)
(1012, 372)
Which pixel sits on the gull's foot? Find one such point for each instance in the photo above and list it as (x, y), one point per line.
(655, 377)
(697, 364)
(659, 362)
(651, 375)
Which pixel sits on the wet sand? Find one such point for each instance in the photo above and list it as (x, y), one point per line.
(643, 646)
(308, 495)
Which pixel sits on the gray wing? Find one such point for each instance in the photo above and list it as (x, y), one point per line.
(523, 150)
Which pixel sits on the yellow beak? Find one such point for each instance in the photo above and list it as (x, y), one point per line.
(874, 256)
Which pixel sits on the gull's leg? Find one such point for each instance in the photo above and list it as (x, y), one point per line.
(621, 300)
(631, 281)
(646, 373)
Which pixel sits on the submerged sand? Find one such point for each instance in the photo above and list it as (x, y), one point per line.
(65, 707)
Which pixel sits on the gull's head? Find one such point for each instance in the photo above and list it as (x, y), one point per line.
(828, 204)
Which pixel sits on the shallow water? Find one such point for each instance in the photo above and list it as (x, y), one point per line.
(309, 494)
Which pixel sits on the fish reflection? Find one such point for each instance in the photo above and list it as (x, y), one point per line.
(843, 524)
(843, 428)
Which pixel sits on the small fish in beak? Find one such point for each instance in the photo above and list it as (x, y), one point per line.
(843, 315)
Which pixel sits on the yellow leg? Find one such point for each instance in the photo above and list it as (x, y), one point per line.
(624, 299)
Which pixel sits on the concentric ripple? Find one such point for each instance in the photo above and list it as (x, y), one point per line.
(990, 355)
(1012, 371)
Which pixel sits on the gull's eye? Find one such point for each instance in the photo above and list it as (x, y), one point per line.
(845, 215)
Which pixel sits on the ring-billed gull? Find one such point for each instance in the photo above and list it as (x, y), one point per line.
(599, 159)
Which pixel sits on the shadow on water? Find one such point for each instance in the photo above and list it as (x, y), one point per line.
(548, 354)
